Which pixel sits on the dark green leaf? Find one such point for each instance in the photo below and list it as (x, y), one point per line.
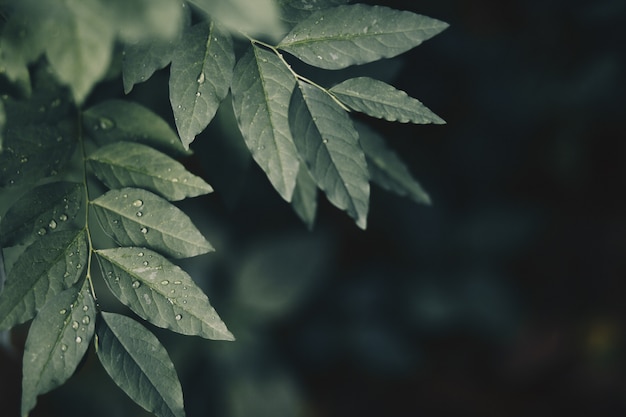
(136, 217)
(46, 208)
(304, 200)
(3, 122)
(138, 363)
(329, 144)
(57, 341)
(261, 89)
(118, 120)
(200, 75)
(160, 292)
(50, 265)
(356, 34)
(387, 169)
(132, 164)
(378, 99)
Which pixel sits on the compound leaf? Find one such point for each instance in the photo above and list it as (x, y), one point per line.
(57, 341)
(160, 292)
(379, 99)
(341, 36)
(201, 72)
(261, 89)
(387, 169)
(120, 120)
(138, 363)
(136, 217)
(46, 208)
(329, 144)
(48, 266)
(132, 164)
(304, 200)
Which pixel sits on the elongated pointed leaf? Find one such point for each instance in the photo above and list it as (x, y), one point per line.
(136, 217)
(341, 36)
(160, 292)
(119, 120)
(201, 72)
(138, 363)
(57, 341)
(379, 99)
(304, 201)
(44, 209)
(132, 164)
(50, 265)
(261, 89)
(387, 169)
(327, 141)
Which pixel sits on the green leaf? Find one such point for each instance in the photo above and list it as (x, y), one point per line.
(48, 266)
(387, 169)
(200, 75)
(3, 122)
(57, 341)
(138, 363)
(304, 200)
(160, 292)
(329, 144)
(379, 99)
(46, 208)
(338, 37)
(140, 20)
(136, 217)
(293, 11)
(261, 89)
(132, 164)
(119, 120)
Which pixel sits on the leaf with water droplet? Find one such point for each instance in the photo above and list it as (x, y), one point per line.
(138, 363)
(169, 230)
(44, 269)
(152, 299)
(52, 353)
(134, 165)
(132, 122)
(261, 89)
(39, 209)
(204, 53)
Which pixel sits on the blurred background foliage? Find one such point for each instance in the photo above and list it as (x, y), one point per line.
(505, 298)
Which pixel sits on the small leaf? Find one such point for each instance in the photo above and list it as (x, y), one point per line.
(387, 169)
(132, 164)
(50, 265)
(341, 36)
(378, 99)
(136, 217)
(200, 75)
(46, 208)
(57, 341)
(138, 363)
(160, 292)
(304, 201)
(329, 144)
(261, 89)
(119, 120)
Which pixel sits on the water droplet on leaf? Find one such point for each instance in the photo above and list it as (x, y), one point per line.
(63, 217)
(63, 347)
(139, 214)
(75, 325)
(52, 224)
(201, 78)
(106, 124)
(144, 230)
(178, 317)
(78, 339)
(41, 231)
(86, 320)
(62, 311)
(136, 284)
(165, 282)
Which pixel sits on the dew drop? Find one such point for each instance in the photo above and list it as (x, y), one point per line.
(325, 140)
(165, 282)
(178, 317)
(75, 325)
(139, 214)
(201, 78)
(62, 311)
(63, 347)
(177, 282)
(85, 308)
(145, 263)
(144, 230)
(78, 339)
(136, 284)
(198, 94)
(24, 160)
(63, 217)
(137, 203)
(106, 124)
(140, 254)
(41, 231)
(53, 224)
(86, 320)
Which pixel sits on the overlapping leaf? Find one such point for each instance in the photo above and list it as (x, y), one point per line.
(119, 120)
(327, 141)
(387, 169)
(341, 36)
(138, 363)
(304, 200)
(48, 266)
(136, 217)
(261, 89)
(160, 292)
(132, 164)
(57, 341)
(201, 72)
(46, 208)
(379, 99)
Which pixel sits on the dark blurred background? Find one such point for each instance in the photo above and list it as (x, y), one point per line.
(505, 298)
